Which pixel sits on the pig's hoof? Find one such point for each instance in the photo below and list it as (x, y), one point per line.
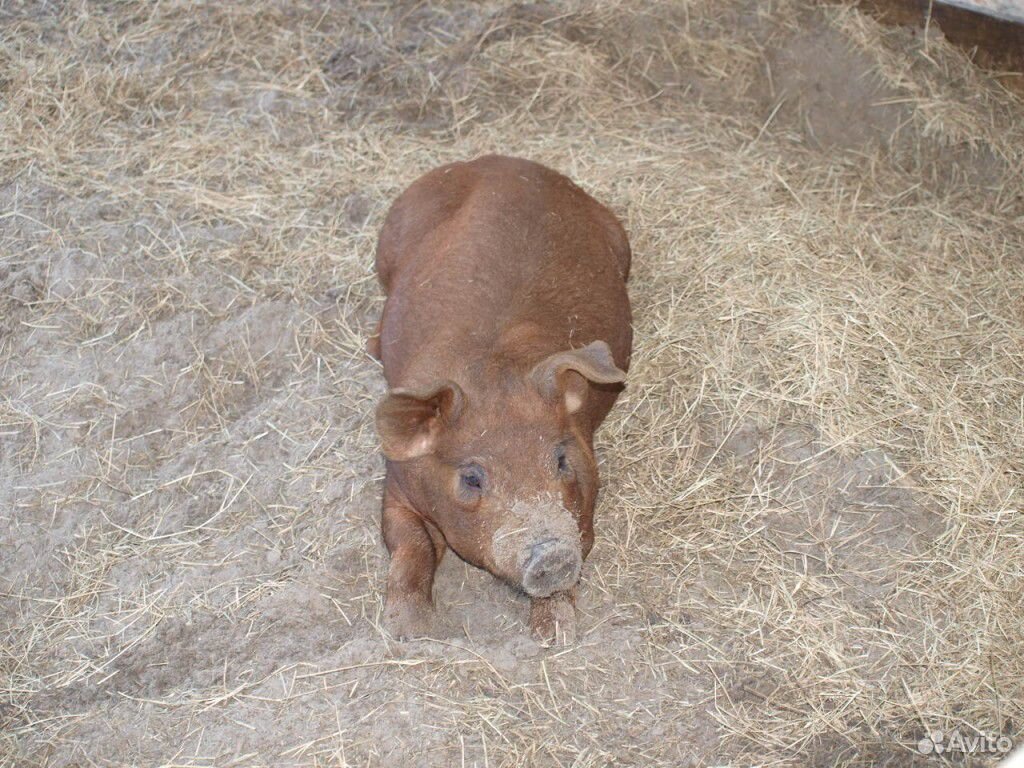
(408, 619)
(553, 620)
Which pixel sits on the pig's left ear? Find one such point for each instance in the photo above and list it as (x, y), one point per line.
(593, 362)
(410, 421)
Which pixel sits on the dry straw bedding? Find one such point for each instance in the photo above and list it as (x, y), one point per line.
(809, 541)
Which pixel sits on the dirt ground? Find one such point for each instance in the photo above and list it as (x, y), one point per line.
(809, 542)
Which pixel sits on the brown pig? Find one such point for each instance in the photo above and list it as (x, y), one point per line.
(505, 340)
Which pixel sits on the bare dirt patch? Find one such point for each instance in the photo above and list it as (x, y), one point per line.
(809, 540)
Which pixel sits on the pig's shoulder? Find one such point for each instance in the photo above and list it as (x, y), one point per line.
(428, 202)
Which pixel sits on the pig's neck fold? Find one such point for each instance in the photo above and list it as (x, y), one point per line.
(485, 359)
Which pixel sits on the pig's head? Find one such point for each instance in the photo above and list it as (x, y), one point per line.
(505, 467)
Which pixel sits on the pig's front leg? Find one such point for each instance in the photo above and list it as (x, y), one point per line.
(415, 554)
(553, 619)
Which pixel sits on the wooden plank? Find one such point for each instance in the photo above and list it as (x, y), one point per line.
(994, 42)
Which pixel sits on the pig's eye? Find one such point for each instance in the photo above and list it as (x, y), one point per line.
(471, 479)
(564, 467)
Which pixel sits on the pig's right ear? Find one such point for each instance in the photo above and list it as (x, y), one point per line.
(410, 421)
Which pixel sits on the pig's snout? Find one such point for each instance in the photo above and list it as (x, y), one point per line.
(551, 566)
(538, 548)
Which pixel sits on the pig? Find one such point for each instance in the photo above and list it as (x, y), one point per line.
(505, 339)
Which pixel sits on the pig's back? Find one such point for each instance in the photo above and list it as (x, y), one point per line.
(472, 250)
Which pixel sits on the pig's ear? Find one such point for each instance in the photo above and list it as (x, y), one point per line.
(594, 362)
(409, 421)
